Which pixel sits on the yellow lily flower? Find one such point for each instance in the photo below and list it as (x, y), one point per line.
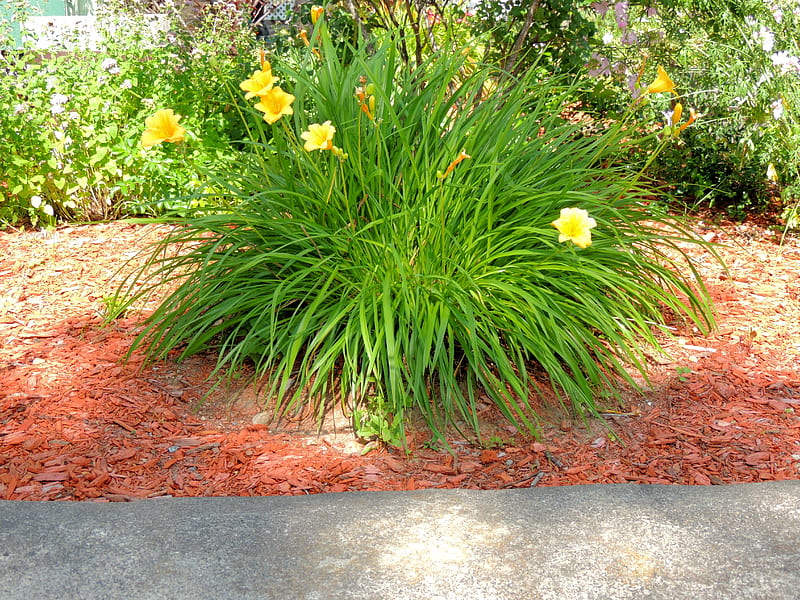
(260, 83)
(662, 83)
(316, 13)
(162, 127)
(274, 104)
(319, 137)
(575, 224)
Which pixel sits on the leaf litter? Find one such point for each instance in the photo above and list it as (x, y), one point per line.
(79, 423)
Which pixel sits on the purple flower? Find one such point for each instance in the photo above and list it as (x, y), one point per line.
(621, 14)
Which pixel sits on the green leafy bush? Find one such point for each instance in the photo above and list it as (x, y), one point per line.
(521, 31)
(392, 247)
(71, 117)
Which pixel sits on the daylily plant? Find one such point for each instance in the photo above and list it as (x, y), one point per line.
(663, 83)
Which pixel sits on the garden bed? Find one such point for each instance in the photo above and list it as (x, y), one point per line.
(78, 423)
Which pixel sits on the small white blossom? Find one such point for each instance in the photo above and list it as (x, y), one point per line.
(110, 65)
(57, 109)
(786, 61)
(777, 109)
(36, 201)
(58, 100)
(19, 109)
(74, 116)
(766, 38)
(50, 83)
(608, 38)
(126, 85)
(48, 210)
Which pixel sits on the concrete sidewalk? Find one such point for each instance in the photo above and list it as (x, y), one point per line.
(570, 543)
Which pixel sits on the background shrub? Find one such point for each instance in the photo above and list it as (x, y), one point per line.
(739, 59)
(72, 117)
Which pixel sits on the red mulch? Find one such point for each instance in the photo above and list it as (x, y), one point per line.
(77, 423)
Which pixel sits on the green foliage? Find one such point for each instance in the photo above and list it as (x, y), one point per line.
(417, 27)
(414, 264)
(72, 118)
(736, 63)
(519, 30)
(514, 34)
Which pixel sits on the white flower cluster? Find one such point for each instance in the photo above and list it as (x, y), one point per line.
(110, 65)
(788, 63)
(57, 102)
(36, 202)
(766, 38)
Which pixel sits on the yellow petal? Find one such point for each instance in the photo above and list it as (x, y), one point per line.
(274, 104)
(150, 138)
(663, 83)
(583, 239)
(319, 137)
(162, 127)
